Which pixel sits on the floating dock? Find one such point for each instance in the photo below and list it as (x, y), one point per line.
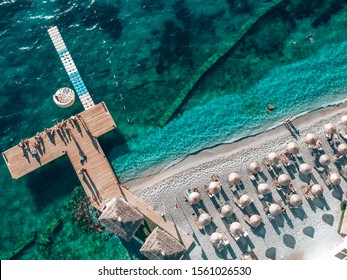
(70, 68)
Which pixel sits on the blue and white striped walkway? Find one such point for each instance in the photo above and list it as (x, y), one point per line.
(70, 68)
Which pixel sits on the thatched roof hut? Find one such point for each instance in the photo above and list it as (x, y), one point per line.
(160, 245)
(121, 218)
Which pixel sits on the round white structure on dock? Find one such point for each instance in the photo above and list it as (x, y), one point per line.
(64, 97)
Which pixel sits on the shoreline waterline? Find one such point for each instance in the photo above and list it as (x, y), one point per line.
(164, 170)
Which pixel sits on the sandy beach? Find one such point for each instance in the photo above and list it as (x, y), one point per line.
(308, 232)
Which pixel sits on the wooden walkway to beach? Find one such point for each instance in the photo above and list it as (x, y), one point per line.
(98, 179)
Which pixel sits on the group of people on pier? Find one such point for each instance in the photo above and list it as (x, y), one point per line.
(61, 128)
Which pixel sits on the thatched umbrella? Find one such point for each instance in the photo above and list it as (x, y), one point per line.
(311, 139)
(344, 120)
(324, 160)
(284, 180)
(255, 220)
(254, 167)
(236, 228)
(293, 148)
(275, 209)
(305, 168)
(330, 128)
(335, 179)
(205, 219)
(295, 200)
(342, 148)
(264, 188)
(234, 178)
(226, 210)
(317, 190)
(245, 200)
(160, 245)
(215, 187)
(216, 238)
(273, 158)
(194, 198)
(121, 218)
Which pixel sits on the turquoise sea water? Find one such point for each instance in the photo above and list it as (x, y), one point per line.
(136, 56)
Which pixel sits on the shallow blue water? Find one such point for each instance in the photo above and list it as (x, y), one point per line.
(294, 89)
(136, 56)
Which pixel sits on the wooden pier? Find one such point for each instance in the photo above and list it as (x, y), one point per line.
(79, 142)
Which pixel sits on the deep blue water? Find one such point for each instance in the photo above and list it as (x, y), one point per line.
(136, 56)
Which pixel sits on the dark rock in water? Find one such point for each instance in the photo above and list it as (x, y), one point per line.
(104, 70)
(106, 16)
(19, 247)
(182, 13)
(53, 225)
(324, 17)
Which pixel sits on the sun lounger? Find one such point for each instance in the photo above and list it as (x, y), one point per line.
(236, 237)
(287, 200)
(245, 218)
(283, 206)
(319, 169)
(187, 193)
(343, 134)
(285, 161)
(267, 164)
(268, 214)
(327, 182)
(337, 139)
(307, 192)
(225, 240)
(252, 177)
(214, 178)
(208, 191)
(329, 137)
(277, 185)
(292, 188)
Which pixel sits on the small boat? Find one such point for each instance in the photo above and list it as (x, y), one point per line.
(64, 97)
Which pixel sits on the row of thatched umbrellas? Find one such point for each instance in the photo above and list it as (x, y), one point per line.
(295, 200)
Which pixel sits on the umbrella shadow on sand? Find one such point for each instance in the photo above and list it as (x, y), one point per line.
(328, 219)
(309, 231)
(271, 253)
(289, 240)
(298, 212)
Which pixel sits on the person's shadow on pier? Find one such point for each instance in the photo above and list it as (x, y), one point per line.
(26, 154)
(61, 137)
(92, 138)
(91, 186)
(51, 138)
(78, 127)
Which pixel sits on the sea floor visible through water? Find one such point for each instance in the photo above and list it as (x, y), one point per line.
(137, 56)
